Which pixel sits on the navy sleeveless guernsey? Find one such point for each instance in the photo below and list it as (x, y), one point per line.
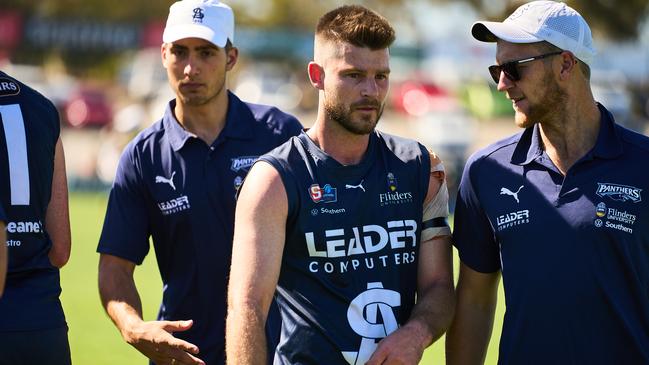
(349, 266)
(29, 130)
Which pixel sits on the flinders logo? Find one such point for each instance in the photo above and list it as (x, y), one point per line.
(392, 198)
(619, 192)
(392, 182)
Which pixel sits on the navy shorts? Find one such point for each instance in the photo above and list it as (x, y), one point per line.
(49, 347)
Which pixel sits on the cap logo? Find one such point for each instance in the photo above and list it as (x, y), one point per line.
(198, 15)
(519, 12)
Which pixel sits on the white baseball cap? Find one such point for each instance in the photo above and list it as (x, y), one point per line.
(537, 21)
(206, 19)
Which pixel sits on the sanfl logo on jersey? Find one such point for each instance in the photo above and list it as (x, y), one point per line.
(365, 314)
(327, 194)
(163, 180)
(505, 191)
(619, 192)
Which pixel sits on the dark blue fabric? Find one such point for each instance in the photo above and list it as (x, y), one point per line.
(48, 347)
(190, 217)
(352, 242)
(573, 250)
(31, 298)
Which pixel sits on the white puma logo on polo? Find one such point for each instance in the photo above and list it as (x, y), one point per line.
(505, 191)
(163, 180)
(359, 186)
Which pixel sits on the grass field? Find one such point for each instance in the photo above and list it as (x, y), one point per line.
(93, 338)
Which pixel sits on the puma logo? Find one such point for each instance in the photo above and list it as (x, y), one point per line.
(359, 186)
(505, 191)
(164, 180)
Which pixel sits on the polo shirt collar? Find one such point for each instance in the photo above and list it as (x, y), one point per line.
(607, 146)
(239, 123)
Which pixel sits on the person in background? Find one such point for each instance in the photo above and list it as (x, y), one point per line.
(176, 183)
(345, 223)
(34, 196)
(557, 209)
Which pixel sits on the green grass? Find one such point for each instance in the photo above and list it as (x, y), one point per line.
(94, 340)
(93, 337)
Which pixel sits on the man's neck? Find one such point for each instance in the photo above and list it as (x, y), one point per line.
(205, 121)
(571, 135)
(343, 146)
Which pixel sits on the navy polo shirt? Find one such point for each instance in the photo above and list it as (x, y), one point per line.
(29, 130)
(173, 187)
(573, 250)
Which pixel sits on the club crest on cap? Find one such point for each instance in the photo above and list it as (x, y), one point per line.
(198, 15)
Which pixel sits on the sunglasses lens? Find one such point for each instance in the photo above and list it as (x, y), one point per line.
(510, 70)
(495, 73)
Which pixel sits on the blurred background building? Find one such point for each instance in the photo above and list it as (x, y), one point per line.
(99, 62)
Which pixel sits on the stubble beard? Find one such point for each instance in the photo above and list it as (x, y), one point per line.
(342, 115)
(551, 103)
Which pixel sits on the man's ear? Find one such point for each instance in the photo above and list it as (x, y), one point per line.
(163, 54)
(316, 75)
(568, 64)
(232, 56)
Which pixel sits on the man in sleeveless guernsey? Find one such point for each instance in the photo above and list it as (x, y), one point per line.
(34, 196)
(176, 183)
(559, 209)
(348, 224)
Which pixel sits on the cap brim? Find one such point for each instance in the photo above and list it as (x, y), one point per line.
(493, 31)
(172, 34)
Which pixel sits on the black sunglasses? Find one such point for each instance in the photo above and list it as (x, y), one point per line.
(511, 68)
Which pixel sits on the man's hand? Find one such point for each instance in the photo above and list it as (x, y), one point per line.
(399, 348)
(155, 340)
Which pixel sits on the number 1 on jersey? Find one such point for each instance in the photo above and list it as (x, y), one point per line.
(14, 128)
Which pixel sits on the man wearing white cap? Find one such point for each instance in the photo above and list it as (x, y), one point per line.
(176, 183)
(558, 209)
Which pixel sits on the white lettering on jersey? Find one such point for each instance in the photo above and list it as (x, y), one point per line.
(366, 239)
(14, 128)
(363, 318)
(24, 227)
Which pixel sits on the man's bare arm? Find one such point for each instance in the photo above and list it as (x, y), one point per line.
(259, 233)
(468, 337)
(433, 312)
(57, 216)
(121, 301)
